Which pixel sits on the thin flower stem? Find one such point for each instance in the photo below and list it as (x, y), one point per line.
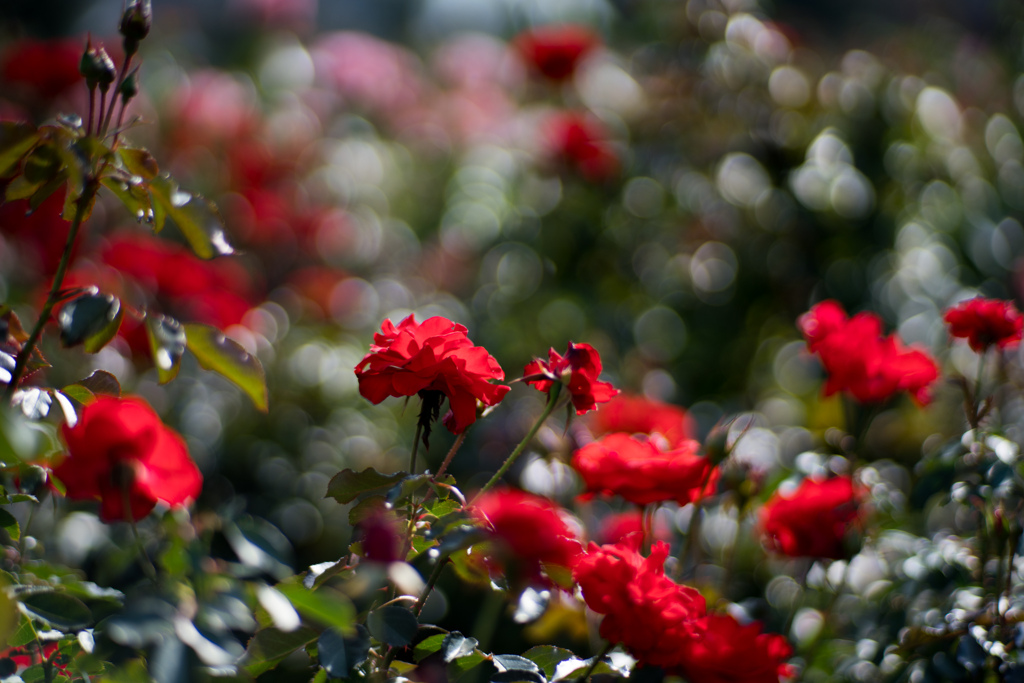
(92, 110)
(593, 664)
(415, 447)
(81, 206)
(976, 404)
(116, 90)
(553, 393)
(434, 576)
(147, 564)
(451, 454)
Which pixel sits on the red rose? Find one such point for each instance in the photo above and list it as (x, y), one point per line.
(583, 365)
(554, 51)
(642, 473)
(121, 448)
(581, 144)
(813, 520)
(433, 356)
(615, 527)
(727, 652)
(639, 415)
(644, 610)
(984, 322)
(529, 531)
(859, 360)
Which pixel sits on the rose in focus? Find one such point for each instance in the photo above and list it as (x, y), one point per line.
(579, 369)
(435, 355)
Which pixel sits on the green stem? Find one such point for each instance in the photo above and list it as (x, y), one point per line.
(593, 664)
(415, 447)
(976, 404)
(82, 204)
(147, 564)
(553, 393)
(117, 91)
(434, 576)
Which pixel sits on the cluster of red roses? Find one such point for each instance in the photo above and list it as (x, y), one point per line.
(660, 622)
(437, 355)
(873, 368)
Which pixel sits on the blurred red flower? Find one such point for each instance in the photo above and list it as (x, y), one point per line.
(617, 526)
(984, 322)
(581, 143)
(46, 67)
(433, 356)
(639, 415)
(859, 360)
(121, 452)
(728, 652)
(582, 364)
(382, 536)
(214, 292)
(813, 520)
(646, 611)
(642, 473)
(529, 532)
(555, 51)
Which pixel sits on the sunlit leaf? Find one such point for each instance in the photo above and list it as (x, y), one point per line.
(324, 606)
(196, 217)
(59, 610)
(139, 161)
(133, 196)
(167, 344)
(102, 382)
(92, 319)
(270, 645)
(16, 139)
(226, 357)
(9, 524)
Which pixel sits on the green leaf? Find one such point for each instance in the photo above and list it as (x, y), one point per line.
(517, 676)
(92, 319)
(348, 485)
(428, 646)
(139, 162)
(226, 357)
(16, 139)
(196, 217)
(393, 624)
(79, 393)
(405, 488)
(340, 654)
(10, 525)
(60, 610)
(271, 645)
(167, 343)
(319, 573)
(46, 190)
(325, 606)
(21, 188)
(366, 508)
(24, 634)
(134, 197)
(102, 382)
